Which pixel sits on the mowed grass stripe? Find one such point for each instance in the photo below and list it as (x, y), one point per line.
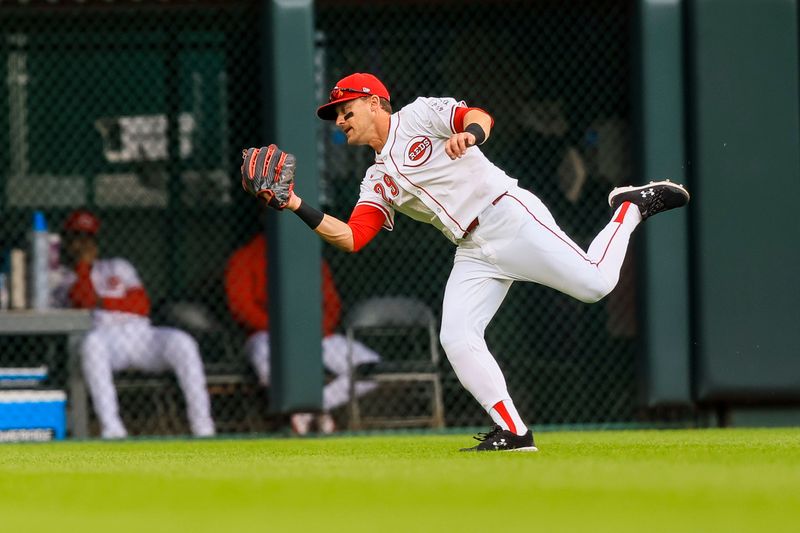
(695, 480)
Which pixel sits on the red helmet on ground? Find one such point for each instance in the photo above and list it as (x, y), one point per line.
(349, 88)
(82, 221)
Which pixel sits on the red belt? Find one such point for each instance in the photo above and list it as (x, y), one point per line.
(474, 223)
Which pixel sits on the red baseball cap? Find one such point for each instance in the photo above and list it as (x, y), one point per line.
(349, 88)
(82, 221)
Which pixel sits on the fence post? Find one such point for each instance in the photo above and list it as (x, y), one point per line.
(295, 305)
(667, 364)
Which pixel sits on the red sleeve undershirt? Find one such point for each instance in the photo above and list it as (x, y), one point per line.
(458, 118)
(365, 221)
(83, 295)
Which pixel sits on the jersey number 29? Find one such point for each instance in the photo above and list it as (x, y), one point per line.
(393, 189)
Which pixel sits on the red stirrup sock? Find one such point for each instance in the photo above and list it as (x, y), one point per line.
(506, 416)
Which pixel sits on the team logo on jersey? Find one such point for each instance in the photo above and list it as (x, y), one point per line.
(418, 151)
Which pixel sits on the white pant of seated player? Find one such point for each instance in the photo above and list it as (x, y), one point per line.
(334, 359)
(518, 240)
(140, 346)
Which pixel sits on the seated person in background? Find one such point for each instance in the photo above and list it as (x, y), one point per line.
(122, 336)
(246, 290)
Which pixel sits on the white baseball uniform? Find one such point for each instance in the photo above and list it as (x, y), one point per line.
(504, 234)
(120, 340)
(334, 358)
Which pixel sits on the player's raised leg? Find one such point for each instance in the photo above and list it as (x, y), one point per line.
(528, 244)
(541, 252)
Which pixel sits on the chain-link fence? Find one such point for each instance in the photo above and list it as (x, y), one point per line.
(138, 111)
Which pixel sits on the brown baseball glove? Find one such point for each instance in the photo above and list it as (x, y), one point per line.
(268, 173)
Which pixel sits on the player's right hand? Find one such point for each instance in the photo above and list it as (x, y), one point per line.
(456, 146)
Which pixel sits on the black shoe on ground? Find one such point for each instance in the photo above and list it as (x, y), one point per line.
(502, 440)
(655, 197)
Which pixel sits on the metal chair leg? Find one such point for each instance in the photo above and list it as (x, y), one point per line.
(438, 405)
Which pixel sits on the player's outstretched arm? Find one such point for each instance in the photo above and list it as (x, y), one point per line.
(268, 174)
(331, 229)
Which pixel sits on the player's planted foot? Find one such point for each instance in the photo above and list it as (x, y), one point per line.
(655, 197)
(503, 440)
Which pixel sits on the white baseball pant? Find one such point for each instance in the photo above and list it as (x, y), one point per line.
(140, 346)
(518, 240)
(334, 358)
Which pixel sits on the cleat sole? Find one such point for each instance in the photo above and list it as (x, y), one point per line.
(525, 449)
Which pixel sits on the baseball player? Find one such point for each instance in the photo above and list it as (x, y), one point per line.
(246, 291)
(122, 336)
(428, 165)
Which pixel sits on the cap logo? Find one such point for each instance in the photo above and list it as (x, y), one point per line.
(418, 151)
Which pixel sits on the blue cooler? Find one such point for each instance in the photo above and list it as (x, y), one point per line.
(28, 415)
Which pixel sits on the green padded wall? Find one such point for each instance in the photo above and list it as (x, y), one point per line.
(746, 188)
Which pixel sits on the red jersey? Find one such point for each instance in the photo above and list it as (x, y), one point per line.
(246, 289)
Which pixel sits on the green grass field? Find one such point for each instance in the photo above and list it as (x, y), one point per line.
(672, 481)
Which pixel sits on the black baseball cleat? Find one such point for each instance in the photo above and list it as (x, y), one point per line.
(655, 197)
(503, 440)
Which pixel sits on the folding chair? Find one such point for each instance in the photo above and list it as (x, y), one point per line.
(404, 332)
